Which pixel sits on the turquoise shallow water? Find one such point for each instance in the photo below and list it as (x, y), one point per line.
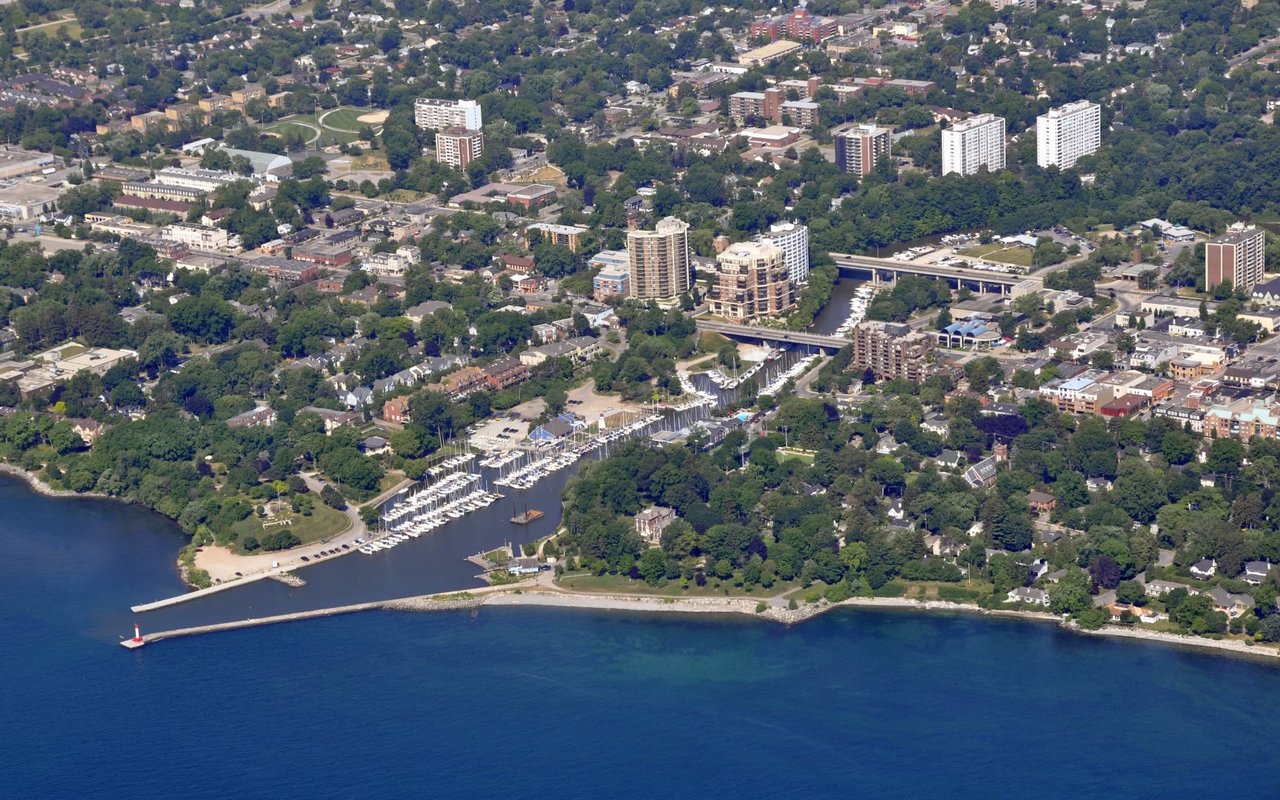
(517, 703)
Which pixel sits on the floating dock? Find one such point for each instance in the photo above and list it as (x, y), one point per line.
(527, 516)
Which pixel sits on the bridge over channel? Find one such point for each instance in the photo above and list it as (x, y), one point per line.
(828, 344)
(882, 271)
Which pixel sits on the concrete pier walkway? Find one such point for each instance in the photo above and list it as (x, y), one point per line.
(254, 622)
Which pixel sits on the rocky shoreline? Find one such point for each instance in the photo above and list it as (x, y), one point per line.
(748, 607)
(38, 485)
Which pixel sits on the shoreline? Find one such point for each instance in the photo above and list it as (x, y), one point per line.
(542, 597)
(38, 485)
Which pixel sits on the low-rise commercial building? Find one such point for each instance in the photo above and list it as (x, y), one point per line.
(199, 237)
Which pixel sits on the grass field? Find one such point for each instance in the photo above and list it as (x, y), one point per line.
(323, 523)
(1021, 256)
(71, 25)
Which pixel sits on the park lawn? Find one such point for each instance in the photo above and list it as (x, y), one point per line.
(783, 454)
(1019, 256)
(587, 582)
(389, 478)
(709, 342)
(71, 25)
(701, 365)
(948, 591)
(404, 196)
(324, 523)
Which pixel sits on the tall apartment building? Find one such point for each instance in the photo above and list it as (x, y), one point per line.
(432, 114)
(1238, 256)
(892, 350)
(972, 144)
(1068, 133)
(660, 265)
(859, 148)
(458, 146)
(751, 282)
(766, 105)
(793, 238)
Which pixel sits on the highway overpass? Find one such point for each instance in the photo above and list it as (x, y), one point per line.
(882, 271)
(827, 344)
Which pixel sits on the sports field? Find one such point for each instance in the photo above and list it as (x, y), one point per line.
(335, 126)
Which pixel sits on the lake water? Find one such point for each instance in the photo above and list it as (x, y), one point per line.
(520, 703)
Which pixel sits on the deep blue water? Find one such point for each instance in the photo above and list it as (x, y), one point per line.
(520, 703)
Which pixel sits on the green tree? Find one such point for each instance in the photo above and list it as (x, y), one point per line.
(1139, 490)
(1071, 594)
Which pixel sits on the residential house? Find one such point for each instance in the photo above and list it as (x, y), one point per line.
(87, 429)
(374, 446)
(463, 382)
(1204, 569)
(652, 521)
(1255, 572)
(426, 308)
(505, 373)
(396, 410)
(950, 459)
(261, 416)
(896, 511)
(1158, 587)
(1025, 595)
(579, 349)
(1233, 605)
(1041, 502)
(886, 444)
(332, 419)
(936, 423)
(359, 397)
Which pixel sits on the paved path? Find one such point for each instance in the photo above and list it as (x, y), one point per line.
(802, 384)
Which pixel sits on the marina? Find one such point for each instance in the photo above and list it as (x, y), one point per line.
(858, 304)
(452, 497)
